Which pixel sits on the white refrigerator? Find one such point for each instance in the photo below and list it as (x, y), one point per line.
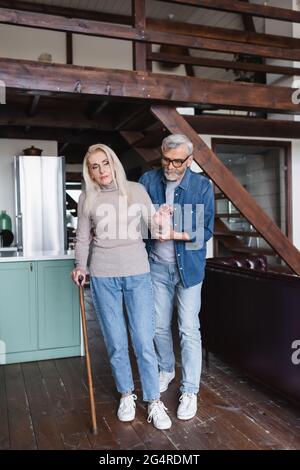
(40, 203)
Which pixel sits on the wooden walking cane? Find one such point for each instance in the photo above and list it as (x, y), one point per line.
(94, 429)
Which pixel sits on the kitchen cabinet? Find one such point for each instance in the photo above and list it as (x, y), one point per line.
(39, 311)
(18, 312)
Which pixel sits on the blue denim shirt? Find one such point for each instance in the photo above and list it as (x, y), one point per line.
(193, 189)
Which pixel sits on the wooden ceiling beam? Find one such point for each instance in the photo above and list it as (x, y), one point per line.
(130, 116)
(59, 135)
(32, 109)
(13, 115)
(132, 136)
(30, 77)
(33, 106)
(149, 155)
(97, 109)
(63, 147)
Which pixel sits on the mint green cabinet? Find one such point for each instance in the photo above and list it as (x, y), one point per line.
(39, 311)
(58, 306)
(18, 312)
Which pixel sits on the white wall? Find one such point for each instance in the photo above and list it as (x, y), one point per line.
(102, 52)
(279, 28)
(296, 27)
(9, 148)
(28, 43)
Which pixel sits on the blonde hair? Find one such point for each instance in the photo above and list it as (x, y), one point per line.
(92, 188)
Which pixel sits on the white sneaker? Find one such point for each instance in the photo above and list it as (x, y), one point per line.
(126, 411)
(164, 379)
(157, 414)
(188, 406)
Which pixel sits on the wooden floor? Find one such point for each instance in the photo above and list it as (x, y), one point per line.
(44, 405)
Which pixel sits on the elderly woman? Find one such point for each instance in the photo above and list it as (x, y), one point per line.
(117, 210)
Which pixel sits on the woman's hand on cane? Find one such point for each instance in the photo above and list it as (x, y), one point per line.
(78, 276)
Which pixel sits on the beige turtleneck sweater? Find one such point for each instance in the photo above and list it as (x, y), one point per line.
(118, 248)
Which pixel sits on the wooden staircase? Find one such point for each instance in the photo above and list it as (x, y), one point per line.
(243, 239)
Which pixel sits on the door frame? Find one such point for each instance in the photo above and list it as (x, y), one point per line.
(287, 147)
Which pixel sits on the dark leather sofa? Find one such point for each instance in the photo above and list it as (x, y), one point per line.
(250, 317)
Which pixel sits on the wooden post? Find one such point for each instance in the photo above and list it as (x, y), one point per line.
(69, 48)
(139, 49)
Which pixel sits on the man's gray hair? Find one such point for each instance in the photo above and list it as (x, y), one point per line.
(175, 140)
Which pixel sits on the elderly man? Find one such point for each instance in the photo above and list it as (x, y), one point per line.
(177, 262)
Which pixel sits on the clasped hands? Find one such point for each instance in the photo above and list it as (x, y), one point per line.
(163, 225)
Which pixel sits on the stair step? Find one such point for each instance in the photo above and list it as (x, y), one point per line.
(237, 233)
(220, 196)
(279, 269)
(226, 215)
(252, 249)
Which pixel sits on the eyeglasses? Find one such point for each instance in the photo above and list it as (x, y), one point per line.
(176, 163)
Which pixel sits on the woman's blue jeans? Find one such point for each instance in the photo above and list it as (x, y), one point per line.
(137, 291)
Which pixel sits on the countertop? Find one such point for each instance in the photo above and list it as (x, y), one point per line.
(13, 256)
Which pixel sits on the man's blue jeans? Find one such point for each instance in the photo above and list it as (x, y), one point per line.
(137, 291)
(168, 289)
